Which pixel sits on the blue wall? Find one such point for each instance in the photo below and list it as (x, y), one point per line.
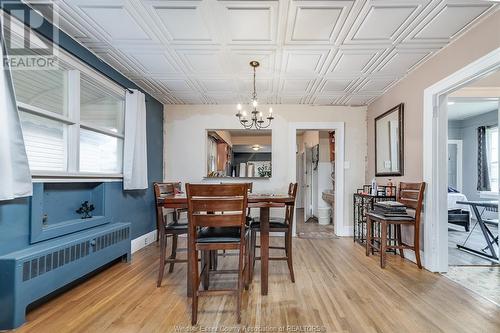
(136, 207)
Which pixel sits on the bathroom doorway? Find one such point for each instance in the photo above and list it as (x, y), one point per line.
(315, 165)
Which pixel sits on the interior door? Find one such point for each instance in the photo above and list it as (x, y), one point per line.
(308, 184)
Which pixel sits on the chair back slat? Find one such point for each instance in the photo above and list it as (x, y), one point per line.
(217, 204)
(412, 196)
(211, 205)
(164, 189)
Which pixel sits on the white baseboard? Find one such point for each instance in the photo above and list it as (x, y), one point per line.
(142, 241)
(345, 231)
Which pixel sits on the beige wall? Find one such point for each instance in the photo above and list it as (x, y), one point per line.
(477, 42)
(185, 143)
(252, 140)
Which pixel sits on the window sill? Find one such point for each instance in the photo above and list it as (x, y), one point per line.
(488, 195)
(75, 178)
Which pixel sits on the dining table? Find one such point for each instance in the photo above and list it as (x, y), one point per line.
(264, 202)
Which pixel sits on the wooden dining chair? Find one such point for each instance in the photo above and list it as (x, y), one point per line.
(277, 224)
(165, 229)
(412, 196)
(217, 215)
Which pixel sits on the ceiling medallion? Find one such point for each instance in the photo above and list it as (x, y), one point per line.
(256, 119)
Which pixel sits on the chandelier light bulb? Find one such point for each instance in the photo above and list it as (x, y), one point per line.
(238, 107)
(244, 113)
(270, 111)
(254, 103)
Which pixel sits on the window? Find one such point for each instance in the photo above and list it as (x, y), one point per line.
(72, 120)
(492, 146)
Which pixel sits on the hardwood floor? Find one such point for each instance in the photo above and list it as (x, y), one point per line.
(337, 289)
(457, 235)
(312, 229)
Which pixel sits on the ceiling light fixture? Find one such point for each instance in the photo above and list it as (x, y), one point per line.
(256, 118)
(256, 147)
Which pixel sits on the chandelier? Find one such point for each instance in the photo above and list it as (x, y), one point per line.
(256, 118)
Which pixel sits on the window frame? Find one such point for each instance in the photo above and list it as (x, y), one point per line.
(494, 193)
(72, 119)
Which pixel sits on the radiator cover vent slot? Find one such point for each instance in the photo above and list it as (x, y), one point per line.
(111, 238)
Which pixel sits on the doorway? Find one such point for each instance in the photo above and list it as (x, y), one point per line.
(315, 219)
(435, 157)
(462, 201)
(306, 160)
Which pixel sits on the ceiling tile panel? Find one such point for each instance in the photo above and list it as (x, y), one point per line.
(449, 21)
(400, 62)
(312, 22)
(155, 63)
(383, 21)
(250, 21)
(304, 62)
(175, 18)
(126, 28)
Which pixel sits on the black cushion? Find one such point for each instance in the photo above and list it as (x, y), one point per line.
(219, 235)
(273, 224)
(379, 217)
(177, 227)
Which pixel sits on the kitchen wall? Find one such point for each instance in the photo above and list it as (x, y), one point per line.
(475, 43)
(185, 143)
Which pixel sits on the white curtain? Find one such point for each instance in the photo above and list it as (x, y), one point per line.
(15, 176)
(135, 159)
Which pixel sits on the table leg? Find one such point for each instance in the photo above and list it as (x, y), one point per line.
(264, 249)
(484, 230)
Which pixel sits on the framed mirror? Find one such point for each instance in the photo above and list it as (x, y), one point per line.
(389, 142)
(239, 154)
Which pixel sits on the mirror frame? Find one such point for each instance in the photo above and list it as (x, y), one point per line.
(400, 109)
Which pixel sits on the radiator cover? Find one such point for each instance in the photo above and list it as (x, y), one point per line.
(29, 274)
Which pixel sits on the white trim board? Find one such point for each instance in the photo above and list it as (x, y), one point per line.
(459, 144)
(143, 241)
(435, 137)
(338, 127)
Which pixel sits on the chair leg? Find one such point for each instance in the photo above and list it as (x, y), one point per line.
(205, 267)
(193, 261)
(400, 242)
(288, 247)
(368, 235)
(247, 262)
(253, 243)
(174, 253)
(383, 244)
(163, 250)
(240, 283)
(416, 246)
